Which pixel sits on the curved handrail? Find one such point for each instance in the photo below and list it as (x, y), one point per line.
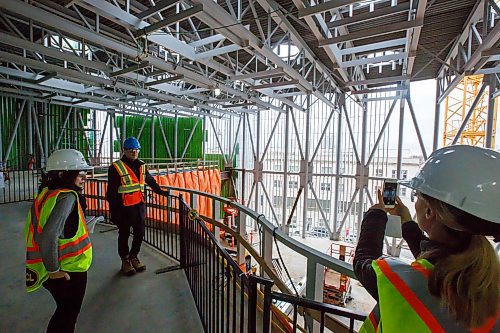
(307, 251)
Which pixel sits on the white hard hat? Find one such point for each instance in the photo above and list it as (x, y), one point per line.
(464, 177)
(67, 159)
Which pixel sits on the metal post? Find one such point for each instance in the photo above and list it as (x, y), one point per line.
(363, 169)
(94, 133)
(204, 139)
(243, 156)
(336, 230)
(437, 116)
(153, 139)
(257, 166)
(241, 227)
(400, 133)
(285, 171)
(490, 122)
(46, 130)
(30, 128)
(75, 126)
(267, 249)
(314, 289)
(111, 143)
(304, 167)
(176, 131)
(123, 131)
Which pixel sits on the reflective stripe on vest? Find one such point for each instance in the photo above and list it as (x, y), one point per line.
(74, 254)
(131, 188)
(372, 322)
(405, 302)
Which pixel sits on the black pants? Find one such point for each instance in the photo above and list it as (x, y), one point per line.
(130, 217)
(68, 295)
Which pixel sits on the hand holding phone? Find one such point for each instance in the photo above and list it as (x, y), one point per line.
(389, 193)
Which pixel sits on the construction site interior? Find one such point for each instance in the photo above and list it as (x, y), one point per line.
(271, 122)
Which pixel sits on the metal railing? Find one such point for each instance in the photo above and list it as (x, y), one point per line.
(19, 185)
(227, 299)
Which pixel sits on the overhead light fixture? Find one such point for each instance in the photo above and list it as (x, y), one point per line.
(217, 90)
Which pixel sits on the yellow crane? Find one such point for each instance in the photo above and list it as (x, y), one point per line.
(458, 104)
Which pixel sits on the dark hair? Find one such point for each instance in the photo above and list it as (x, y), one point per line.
(59, 179)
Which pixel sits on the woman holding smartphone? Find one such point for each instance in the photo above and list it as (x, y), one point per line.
(452, 286)
(58, 249)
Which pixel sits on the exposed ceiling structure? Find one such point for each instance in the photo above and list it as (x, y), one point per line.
(213, 58)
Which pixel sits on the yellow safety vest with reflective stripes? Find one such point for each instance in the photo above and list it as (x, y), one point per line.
(131, 188)
(405, 304)
(75, 254)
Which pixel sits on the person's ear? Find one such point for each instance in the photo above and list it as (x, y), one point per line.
(430, 213)
(59, 174)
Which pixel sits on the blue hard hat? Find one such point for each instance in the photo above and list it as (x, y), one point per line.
(131, 143)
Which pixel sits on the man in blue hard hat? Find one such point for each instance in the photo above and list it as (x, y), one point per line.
(126, 183)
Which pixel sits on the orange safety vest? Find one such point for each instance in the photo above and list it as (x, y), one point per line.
(131, 188)
(75, 254)
(405, 304)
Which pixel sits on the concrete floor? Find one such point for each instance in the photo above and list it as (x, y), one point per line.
(142, 303)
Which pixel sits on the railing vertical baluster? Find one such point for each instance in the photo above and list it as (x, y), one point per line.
(181, 221)
(234, 313)
(252, 305)
(227, 277)
(242, 305)
(266, 311)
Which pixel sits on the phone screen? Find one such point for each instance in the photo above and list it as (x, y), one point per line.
(389, 194)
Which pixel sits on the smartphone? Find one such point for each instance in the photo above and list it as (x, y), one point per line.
(389, 192)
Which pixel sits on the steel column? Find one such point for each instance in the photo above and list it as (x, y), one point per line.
(437, 117)
(490, 122)
(285, 170)
(304, 168)
(30, 128)
(336, 230)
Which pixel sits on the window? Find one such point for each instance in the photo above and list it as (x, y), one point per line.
(277, 201)
(293, 167)
(379, 173)
(326, 187)
(277, 167)
(327, 142)
(277, 183)
(326, 170)
(404, 174)
(402, 191)
(293, 184)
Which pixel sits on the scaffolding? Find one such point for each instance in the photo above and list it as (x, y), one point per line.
(466, 113)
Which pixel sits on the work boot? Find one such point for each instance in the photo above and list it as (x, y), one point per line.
(127, 268)
(138, 265)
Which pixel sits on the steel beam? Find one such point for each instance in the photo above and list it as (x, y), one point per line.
(324, 7)
(370, 33)
(368, 16)
(183, 15)
(158, 7)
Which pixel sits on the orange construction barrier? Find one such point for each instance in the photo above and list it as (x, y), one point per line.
(200, 180)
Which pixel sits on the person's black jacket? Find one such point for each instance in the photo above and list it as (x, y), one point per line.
(115, 199)
(370, 245)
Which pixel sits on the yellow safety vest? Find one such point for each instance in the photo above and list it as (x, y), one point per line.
(131, 188)
(405, 304)
(75, 254)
